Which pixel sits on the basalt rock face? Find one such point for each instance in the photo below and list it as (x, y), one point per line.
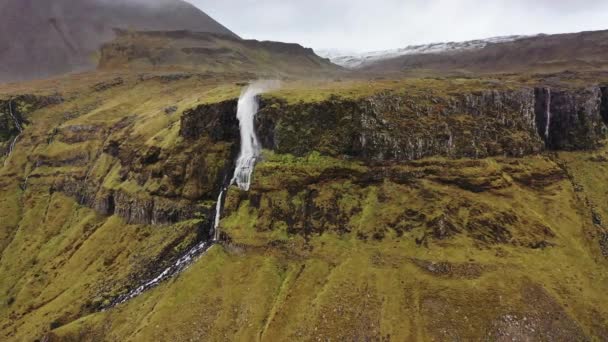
(132, 208)
(8, 126)
(604, 107)
(14, 112)
(392, 127)
(571, 119)
(217, 121)
(181, 180)
(176, 181)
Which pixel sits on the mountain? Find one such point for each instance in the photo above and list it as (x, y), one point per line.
(41, 38)
(185, 50)
(376, 207)
(540, 53)
(360, 60)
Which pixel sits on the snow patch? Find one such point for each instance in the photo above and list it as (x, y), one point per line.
(353, 60)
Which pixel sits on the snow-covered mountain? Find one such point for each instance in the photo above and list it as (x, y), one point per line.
(355, 60)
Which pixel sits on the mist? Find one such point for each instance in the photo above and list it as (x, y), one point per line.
(361, 25)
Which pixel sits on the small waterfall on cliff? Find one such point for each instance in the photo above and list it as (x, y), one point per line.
(19, 128)
(218, 216)
(548, 115)
(248, 156)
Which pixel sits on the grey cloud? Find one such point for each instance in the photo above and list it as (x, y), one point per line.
(383, 24)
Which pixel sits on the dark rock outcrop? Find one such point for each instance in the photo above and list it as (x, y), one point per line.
(391, 126)
(398, 127)
(217, 121)
(570, 119)
(134, 208)
(14, 112)
(18, 107)
(604, 107)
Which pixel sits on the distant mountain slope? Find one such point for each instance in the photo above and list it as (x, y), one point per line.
(185, 50)
(541, 53)
(41, 38)
(358, 60)
(544, 53)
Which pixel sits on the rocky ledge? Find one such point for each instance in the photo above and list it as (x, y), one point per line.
(392, 126)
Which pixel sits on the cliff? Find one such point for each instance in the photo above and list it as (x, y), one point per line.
(379, 210)
(393, 126)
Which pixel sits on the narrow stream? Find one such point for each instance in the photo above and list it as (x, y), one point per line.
(19, 128)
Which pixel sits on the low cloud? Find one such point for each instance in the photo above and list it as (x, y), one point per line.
(364, 25)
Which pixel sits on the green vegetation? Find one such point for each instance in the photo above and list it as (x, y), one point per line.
(271, 283)
(326, 245)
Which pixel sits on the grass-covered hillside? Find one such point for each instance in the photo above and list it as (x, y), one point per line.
(395, 210)
(184, 50)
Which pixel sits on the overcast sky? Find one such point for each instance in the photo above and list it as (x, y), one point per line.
(366, 25)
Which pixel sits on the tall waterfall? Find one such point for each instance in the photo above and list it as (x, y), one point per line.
(218, 216)
(19, 128)
(548, 116)
(248, 156)
(250, 146)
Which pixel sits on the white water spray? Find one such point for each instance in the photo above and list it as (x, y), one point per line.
(19, 128)
(250, 146)
(548, 115)
(218, 216)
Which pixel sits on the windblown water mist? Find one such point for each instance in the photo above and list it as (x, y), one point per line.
(250, 147)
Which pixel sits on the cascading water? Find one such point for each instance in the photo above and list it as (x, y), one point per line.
(548, 116)
(19, 128)
(248, 156)
(250, 146)
(218, 216)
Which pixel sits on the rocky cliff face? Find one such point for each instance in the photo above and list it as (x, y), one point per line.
(176, 180)
(398, 127)
(386, 127)
(571, 119)
(218, 121)
(14, 111)
(604, 107)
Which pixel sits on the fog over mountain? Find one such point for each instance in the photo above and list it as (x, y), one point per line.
(362, 25)
(42, 38)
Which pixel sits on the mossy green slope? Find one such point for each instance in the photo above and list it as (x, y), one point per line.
(322, 247)
(518, 260)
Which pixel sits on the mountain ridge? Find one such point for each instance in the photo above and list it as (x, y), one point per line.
(64, 36)
(540, 53)
(359, 60)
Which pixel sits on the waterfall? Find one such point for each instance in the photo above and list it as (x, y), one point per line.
(218, 216)
(248, 156)
(250, 146)
(19, 128)
(10, 111)
(548, 115)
